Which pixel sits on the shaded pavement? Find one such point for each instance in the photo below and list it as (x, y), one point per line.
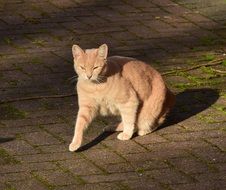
(187, 152)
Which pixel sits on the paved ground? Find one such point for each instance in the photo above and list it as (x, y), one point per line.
(35, 59)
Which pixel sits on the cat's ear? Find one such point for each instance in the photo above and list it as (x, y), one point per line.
(103, 51)
(77, 51)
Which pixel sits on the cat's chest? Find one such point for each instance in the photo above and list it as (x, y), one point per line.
(107, 107)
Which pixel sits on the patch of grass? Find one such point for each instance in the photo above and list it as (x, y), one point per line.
(220, 108)
(207, 118)
(224, 62)
(10, 112)
(43, 181)
(6, 158)
(139, 170)
(208, 57)
(207, 70)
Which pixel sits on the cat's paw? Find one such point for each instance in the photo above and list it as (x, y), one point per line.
(143, 132)
(73, 147)
(123, 136)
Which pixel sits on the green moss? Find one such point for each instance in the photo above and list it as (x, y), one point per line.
(139, 171)
(220, 108)
(208, 57)
(6, 158)
(207, 118)
(10, 112)
(207, 70)
(43, 181)
(224, 63)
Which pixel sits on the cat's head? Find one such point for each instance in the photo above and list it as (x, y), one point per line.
(89, 63)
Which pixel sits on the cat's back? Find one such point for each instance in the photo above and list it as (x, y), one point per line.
(141, 75)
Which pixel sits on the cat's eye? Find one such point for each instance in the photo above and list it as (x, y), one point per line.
(83, 68)
(95, 67)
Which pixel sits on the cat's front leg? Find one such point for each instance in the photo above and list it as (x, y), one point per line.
(84, 118)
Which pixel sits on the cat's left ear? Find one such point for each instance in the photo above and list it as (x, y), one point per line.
(103, 51)
(77, 51)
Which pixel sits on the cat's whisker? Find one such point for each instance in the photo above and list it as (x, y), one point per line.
(72, 79)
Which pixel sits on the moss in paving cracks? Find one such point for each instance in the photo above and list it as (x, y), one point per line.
(224, 62)
(43, 181)
(208, 57)
(6, 158)
(140, 171)
(207, 118)
(8, 112)
(220, 108)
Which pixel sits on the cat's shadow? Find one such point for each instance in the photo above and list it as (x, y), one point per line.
(188, 103)
(6, 139)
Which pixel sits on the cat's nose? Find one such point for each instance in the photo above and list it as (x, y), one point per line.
(89, 76)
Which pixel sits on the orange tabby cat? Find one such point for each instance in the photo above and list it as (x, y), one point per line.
(119, 86)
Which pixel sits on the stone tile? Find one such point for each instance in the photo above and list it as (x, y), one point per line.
(26, 167)
(169, 176)
(48, 157)
(215, 185)
(190, 165)
(7, 177)
(142, 183)
(41, 138)
(36, 59)
(124, 147)
(150, 139)
(194, 135)
(111, 177)
(210, 154)
(104, 156)
(99, 186)
(57, 177)
(28, 184)
(19, 147)
(80, 167)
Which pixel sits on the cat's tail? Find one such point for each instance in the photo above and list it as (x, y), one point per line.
(155, 109)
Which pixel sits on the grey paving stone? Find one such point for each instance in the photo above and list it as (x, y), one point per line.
(188, 152)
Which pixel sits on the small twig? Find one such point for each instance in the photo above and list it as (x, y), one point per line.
(211, 63)
(36, 97)
(219, 71)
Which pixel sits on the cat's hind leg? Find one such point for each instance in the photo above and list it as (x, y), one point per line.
(146, 121)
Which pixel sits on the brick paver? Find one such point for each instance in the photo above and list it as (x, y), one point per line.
(188, 152)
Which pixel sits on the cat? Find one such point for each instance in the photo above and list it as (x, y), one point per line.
(120, 86)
